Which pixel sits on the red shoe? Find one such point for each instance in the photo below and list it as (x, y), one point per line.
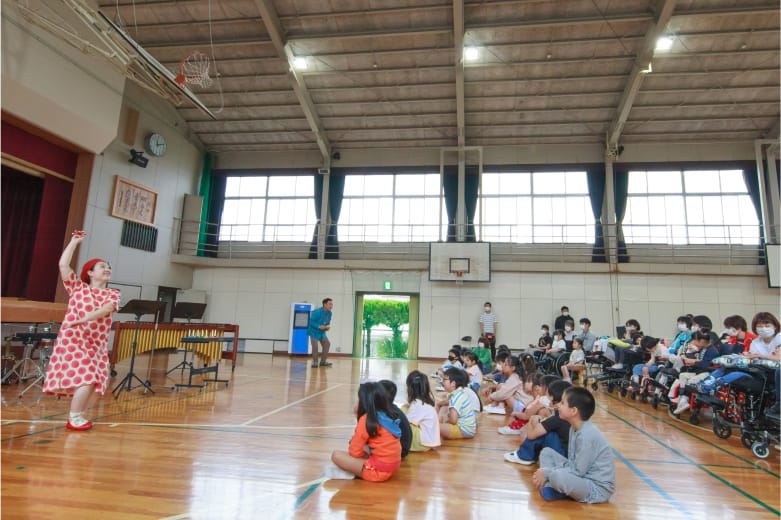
(84, 427)
(517, 424)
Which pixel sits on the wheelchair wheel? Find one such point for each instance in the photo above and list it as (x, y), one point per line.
(595, 386)
(746, 441)
(655, 402)
(722, 431)
(623, 392)
(610, 388)
(760, 450)
(694, 419)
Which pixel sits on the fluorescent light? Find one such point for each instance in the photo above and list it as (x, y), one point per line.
(299, 62)
(471, 53)
(664, 43)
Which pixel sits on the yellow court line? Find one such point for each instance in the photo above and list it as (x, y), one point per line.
(272, 412)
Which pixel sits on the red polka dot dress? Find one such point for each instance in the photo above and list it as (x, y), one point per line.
(80, 354)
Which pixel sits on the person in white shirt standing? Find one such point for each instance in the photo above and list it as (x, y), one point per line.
(488, 327)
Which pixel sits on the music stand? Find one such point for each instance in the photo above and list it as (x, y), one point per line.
(139, 308)
(188, 311)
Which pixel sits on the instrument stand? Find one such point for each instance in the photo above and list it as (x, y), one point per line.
(139, 308)
(188, 311)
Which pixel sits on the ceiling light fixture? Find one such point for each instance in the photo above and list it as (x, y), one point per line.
(471, 53)
(300, 63)
(648, 70)
(664, 43)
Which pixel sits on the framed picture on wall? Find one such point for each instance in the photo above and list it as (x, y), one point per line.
(133, 201)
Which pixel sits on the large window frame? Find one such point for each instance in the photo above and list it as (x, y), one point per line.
(689, 207)
(535, 207)
(411, 200)
(266, 208)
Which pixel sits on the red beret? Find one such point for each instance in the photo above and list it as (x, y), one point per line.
(88, 267)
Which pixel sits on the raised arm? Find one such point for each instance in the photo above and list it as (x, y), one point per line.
(67, 254)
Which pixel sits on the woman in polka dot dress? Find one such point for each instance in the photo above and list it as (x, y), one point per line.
(79, 365)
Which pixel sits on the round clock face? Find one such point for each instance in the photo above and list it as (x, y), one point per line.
(155, 144)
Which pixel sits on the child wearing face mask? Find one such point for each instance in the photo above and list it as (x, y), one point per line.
(488, 327)
(543, 343)
(683, 336)
(738, 338)
(768, 344)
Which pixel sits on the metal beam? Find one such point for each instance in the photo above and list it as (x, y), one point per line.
(458, 49)
(275, 32)
(637, 75)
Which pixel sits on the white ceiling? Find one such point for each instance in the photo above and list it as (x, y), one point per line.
(385, 73)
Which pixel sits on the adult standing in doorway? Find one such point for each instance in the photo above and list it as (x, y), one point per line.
(319, 324)
(563, 319)
(488, 327)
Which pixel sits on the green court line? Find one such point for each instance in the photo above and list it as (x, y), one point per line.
(720, 448)
(305, 495)
(698, 465)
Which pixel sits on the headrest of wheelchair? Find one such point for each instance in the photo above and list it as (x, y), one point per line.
(618, 343)
(466, 338)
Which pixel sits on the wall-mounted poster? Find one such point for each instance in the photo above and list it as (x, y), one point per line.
(133, 201)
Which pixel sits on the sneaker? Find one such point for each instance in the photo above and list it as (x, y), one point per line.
(617, 366)
(334, 472)
(548, 493)
(315, 365)
(440, 388)
(326, 364)
(683, 405)
(86, 425)
(567, 379)
(499, 410)
(506, 430)
(513, 457)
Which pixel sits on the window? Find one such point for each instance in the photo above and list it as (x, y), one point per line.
(689, 207)
(536, 207)
(390, 208)
(268, 208)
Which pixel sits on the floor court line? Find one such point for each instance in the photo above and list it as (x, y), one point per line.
(272, 412)
(648, 480)
(680, 429)
(698, 465)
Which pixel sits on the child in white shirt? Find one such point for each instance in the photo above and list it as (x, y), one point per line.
(421, 413)
(577, 360)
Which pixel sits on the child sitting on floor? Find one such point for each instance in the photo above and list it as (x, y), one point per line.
(588, 473)
(473, 369)
(406, 430)
(374, 453)
(541, 432)
(457, 417)
(421, 413)
(502, 398)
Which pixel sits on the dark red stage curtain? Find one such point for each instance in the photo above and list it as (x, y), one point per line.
(21, 204)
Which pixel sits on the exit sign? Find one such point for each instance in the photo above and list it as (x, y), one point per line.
(387, 285)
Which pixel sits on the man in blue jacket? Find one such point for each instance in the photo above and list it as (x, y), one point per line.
(319, 323)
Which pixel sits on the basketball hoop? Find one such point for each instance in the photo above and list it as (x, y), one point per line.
(194, 70)
(459, 277)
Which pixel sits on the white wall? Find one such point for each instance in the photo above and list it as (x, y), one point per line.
(55, 86)
(259, 300)
(171, 176)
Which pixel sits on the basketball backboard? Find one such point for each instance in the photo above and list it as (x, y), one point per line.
(459, 262)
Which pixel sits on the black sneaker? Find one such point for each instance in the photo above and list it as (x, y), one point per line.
(325, 364)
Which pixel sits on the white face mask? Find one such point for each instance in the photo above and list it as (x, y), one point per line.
(481, 345)
(543, 332)
(582, 327)
(682, 327)
(766, 332)
(695, 328)
(731, 332)
(568, 329)
(630, 329)
(487, 309)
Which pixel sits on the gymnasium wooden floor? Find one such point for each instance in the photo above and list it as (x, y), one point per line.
(257, 449)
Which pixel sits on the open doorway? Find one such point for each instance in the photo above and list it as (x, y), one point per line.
(386, 326)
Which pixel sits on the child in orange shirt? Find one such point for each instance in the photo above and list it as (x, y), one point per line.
(374, 453)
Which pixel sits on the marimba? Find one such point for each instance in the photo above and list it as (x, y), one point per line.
(170, 336)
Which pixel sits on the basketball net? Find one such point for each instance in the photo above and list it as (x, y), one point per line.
(194, 70)
(459, 278)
